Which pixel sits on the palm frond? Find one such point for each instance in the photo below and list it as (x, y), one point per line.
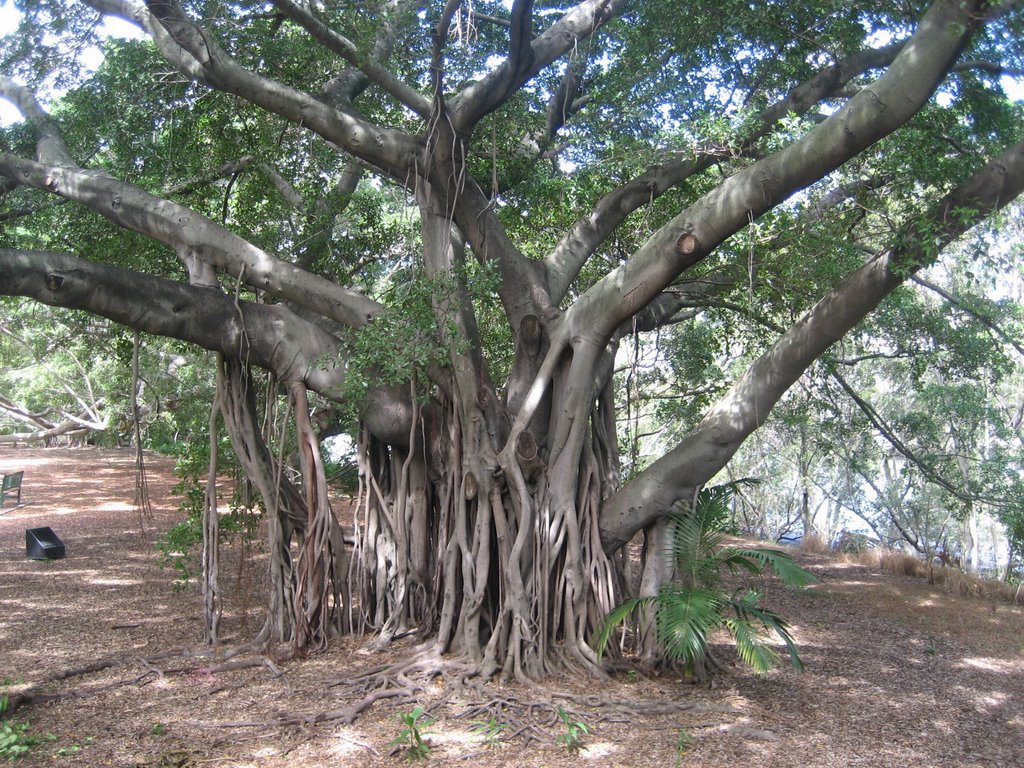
(689, 545)
(699, 529)
(685, 616)
(751, 645)
(736, 559)
(791, 574)
(749, 608)
(615, 617)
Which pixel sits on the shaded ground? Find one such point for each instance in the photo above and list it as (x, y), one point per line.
(898, 674)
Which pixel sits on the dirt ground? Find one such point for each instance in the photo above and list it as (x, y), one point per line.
(898, 673)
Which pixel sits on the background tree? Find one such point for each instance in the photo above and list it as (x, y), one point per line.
(447, 218)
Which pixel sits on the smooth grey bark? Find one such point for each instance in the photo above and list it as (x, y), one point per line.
(875, 112)
(183, 228)
(268, 335)
(67, 427)
(563, 264)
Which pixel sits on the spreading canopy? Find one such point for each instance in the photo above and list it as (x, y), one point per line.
(381, 200)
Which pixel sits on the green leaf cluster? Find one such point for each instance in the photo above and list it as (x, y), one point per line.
(688, 610)
(412, 737)
(15, 740)
(574, 733)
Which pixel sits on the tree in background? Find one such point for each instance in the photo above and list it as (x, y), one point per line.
(66, 375)
(446, 219)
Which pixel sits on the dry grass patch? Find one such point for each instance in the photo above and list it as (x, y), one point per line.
(956, 582)
(902, 564)
(869, 558)
(815, 545)
(952, 580)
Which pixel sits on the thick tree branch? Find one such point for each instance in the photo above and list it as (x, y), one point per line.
(50, 146)
(874, 113)
(21, 414)
(181, 188)
(270, 336)
(66, 427)
(439, 39)
(563, 103)
(182, 228)
(746, 406)
(194, 52)
(520, 54)
(529, 57)
(580, 242)
(522, 288)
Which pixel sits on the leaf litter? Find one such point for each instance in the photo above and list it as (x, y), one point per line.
(897, 673)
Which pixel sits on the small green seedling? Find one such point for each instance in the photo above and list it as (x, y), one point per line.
(158, 729)
(683, 741)
(15, 740)
(575, 730)
(489, 731)
(411, 737)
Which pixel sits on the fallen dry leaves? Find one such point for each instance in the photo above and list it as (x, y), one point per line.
(898, 673)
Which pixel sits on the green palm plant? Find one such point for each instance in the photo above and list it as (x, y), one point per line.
(691, 607)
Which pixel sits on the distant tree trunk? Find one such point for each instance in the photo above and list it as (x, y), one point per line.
(211, 531)
(974, 536)
(142, 503)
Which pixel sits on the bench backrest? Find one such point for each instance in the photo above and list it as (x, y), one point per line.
(11, 482)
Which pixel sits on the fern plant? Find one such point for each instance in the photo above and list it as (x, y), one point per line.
(687, 610)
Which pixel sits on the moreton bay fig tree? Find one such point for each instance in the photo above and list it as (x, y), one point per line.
(445, 218)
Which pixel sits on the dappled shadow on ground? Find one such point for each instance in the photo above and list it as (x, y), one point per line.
(898, 673)
(108, 581)
(907, 675)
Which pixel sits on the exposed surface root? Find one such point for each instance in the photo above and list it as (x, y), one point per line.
(873, 642)
(41, 693)
(532, 715)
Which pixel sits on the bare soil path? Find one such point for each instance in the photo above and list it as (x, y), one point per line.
(898, 673)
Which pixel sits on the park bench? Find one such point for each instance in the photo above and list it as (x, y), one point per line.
(11, 487)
